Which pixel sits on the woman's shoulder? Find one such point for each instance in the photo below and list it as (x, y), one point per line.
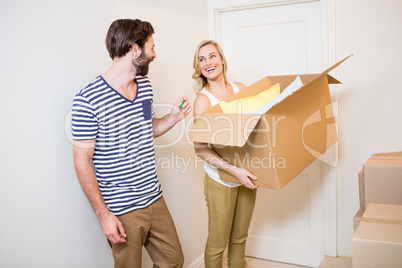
(201, 96)
(201, 103)
(239, 85)
(202, 99)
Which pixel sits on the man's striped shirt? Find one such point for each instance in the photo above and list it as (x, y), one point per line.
(124, 156)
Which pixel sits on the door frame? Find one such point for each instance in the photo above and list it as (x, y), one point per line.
(330, 171)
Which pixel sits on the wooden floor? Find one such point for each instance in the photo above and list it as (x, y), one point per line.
(328, 262)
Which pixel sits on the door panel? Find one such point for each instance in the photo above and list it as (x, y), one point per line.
(288, 224)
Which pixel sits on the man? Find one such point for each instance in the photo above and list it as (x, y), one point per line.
(113, 127)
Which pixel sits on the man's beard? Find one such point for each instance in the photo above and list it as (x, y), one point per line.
(141, 64)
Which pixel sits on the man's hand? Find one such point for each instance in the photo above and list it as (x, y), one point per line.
(112, 228)
(181, 108)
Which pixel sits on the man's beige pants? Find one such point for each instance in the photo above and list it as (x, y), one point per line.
(153, 228)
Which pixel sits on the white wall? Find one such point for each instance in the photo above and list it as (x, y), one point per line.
(370, 99)
(49, 50)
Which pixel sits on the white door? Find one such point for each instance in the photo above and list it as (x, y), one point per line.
(288, 225)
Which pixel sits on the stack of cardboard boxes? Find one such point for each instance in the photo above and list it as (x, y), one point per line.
(377, 241)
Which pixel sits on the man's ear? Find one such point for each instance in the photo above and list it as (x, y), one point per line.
(136, 50)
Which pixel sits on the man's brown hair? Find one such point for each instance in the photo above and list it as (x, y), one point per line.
(124, 33)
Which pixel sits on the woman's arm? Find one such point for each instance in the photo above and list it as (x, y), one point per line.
(203, 151)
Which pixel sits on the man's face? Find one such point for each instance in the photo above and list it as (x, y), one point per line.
(148, 54)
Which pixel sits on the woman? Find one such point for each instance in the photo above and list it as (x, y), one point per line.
(230, 205)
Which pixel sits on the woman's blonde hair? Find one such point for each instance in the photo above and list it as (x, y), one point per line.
(199, 80)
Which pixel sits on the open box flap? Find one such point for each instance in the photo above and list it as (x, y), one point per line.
(223, 129)
(284, 95)
(331, 80)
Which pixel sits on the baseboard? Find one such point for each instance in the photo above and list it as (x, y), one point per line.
(198, 262)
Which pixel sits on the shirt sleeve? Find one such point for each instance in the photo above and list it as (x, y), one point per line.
(84, 122)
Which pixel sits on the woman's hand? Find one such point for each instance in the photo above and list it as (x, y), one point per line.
(245, 177)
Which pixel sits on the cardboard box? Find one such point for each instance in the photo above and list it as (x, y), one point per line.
(377, 245)
(384, 213)
(281, 143)
(361, 187)
(383, 180)
(393, 155)
(377, 242)
(358, 218)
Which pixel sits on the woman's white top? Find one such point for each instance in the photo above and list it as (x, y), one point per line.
(210, 169)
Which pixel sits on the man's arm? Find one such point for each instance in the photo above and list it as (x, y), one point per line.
(180, 111)
(111, 226)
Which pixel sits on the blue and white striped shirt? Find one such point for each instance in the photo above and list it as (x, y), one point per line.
(124, 156)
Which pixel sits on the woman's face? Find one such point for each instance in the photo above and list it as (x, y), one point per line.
(210, 62)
